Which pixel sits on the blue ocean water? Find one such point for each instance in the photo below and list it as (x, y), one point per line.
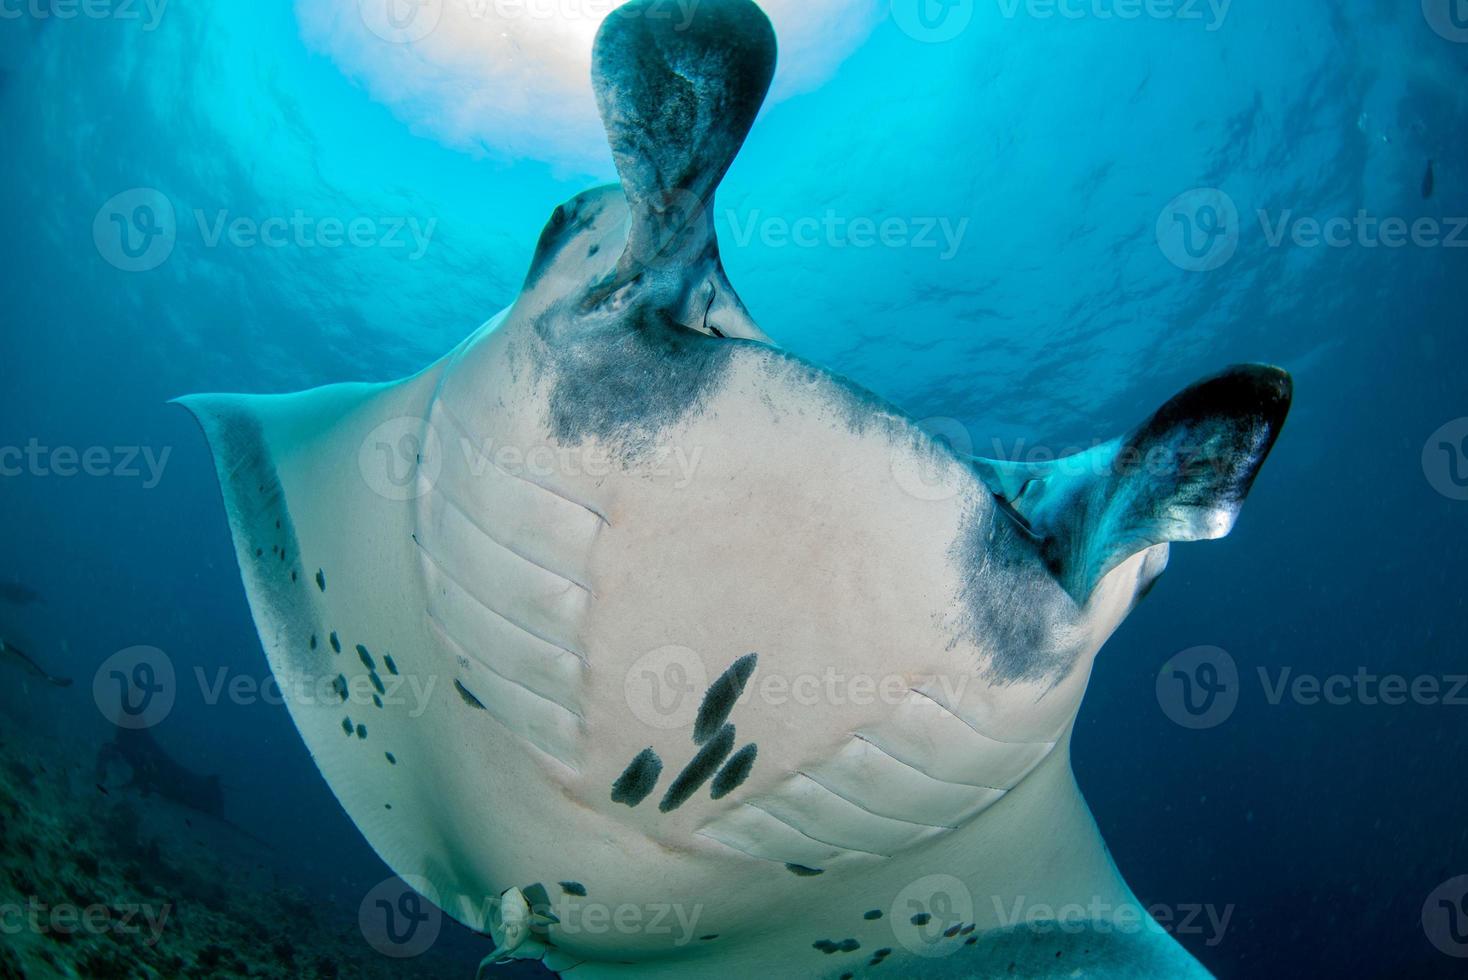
(1027, 223)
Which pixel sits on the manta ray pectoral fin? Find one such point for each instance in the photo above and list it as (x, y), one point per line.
(678, 96)
(1180, 476)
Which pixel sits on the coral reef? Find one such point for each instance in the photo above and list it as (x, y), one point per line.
(100, 885)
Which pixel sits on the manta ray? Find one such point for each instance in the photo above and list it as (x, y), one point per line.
(604, 761)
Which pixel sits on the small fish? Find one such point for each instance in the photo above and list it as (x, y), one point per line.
(1429, 182)
(33, 667)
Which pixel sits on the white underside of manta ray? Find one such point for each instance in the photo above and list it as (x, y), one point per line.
(533, 792)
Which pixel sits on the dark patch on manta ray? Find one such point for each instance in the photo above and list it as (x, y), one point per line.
(336, 643)
(347, 726)
(574, 888)
(391, 759)
(856, 407)
(340, 687)
(392, 667)
(844, 946)
(735, 771)
(468, 698)
(366, 657)
(639, 779)
(801, 871)
(873, 915)
(719, 699)
(996, 563)
(321, 579)
(626, 381)
(255, 496)
(700, 770)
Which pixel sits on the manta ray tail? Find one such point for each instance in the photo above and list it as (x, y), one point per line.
(678, 98)
(1180, 476)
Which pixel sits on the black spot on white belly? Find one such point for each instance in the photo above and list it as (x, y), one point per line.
(468, 698)
(639, 779)
(720, 698)
(700, 770)
(735, 771)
